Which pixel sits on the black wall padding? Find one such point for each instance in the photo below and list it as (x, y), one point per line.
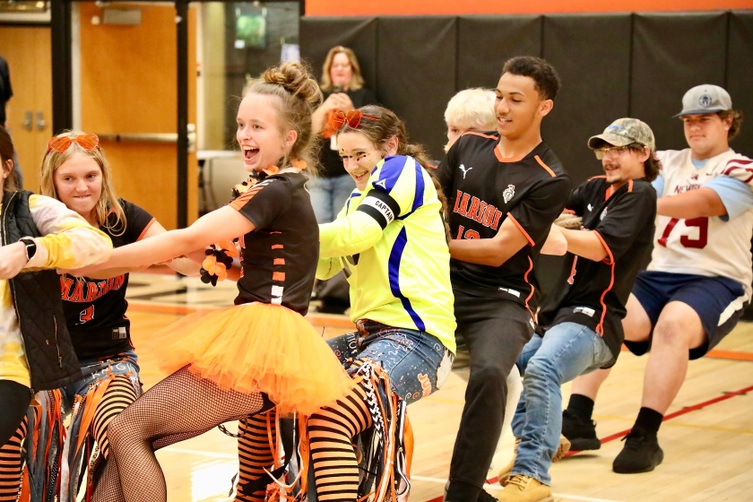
(415, 64)
(739, 82)
(484, 43)
(416, 72)
(592, 56)
(612, 65)
(671, 54)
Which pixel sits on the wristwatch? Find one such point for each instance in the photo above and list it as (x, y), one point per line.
(31, 247)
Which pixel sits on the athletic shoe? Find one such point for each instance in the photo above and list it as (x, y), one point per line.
(504, 473)
(580, 431)
(525, 489)
(485, 497)
(641, 453)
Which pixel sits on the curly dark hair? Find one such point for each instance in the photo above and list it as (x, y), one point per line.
(546, 79)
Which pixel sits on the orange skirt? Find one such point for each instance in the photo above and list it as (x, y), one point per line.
(256, 347)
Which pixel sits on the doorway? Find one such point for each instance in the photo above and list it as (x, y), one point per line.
(29, 118)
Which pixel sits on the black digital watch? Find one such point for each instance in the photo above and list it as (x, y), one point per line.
(31, 247)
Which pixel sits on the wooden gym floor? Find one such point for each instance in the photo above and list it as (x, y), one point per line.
(707, 436)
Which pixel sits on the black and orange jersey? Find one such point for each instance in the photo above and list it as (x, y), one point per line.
(483, 189)
(95, 309)
(279, 257)
(594, 293)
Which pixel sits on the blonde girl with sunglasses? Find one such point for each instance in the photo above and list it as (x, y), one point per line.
(76, 172)
(38, 235)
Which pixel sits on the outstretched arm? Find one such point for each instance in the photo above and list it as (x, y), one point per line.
(224, 223)
(68, 241)
(182, 265)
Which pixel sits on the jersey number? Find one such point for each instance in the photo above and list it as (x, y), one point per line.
(467, 234)
(703, 233)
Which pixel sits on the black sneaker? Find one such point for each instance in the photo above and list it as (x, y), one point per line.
(484, 496)
(641, 453)
(580, 431)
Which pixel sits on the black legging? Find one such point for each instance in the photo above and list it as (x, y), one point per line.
(14, 401)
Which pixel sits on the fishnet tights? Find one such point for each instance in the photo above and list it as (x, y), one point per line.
(179, 407)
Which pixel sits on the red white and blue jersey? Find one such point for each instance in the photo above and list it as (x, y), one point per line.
(279, 257)
(483, 190)
(708, 246)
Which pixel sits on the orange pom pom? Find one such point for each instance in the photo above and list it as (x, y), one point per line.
(230, 248)
(220, 271)
(209, 264)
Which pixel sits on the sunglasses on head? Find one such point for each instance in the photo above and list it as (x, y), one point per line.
(353, 118)
(61, 144)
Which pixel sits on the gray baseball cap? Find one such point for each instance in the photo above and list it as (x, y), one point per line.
(705, 98)
(623, 132)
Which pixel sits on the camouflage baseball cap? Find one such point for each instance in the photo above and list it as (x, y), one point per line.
(705, 98)
(623, 132)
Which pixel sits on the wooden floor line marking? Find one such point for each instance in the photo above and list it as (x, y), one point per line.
(678, 413)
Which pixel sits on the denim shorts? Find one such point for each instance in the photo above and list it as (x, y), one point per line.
(416, 362)
(97, 370)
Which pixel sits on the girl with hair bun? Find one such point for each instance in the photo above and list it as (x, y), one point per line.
(261, 353)
(391, 239)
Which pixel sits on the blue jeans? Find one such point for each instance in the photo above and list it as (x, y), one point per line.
(96, 371)
(416, 362)
(328, 195)
(566, 351)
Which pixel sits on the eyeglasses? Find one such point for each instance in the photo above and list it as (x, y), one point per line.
(614, 150)
(353, 118)
(61, 144)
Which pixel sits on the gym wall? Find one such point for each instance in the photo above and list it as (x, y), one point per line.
(612, 65)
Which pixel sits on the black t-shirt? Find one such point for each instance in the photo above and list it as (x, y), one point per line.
(594, 293)
(279, 257)
(331, 163)
(95, 309)
(483, 189)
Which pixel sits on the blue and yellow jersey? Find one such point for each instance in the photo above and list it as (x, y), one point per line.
(390, 241)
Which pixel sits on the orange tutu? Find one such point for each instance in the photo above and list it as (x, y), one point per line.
(256, 347)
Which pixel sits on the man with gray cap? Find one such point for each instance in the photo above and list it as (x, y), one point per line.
(579, 328)
(699, 278)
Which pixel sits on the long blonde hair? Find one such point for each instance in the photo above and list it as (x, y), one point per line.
(108, 202)
(356, 79)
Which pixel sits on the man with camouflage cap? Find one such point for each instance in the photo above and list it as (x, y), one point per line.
(579, 325)
(699, 279)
